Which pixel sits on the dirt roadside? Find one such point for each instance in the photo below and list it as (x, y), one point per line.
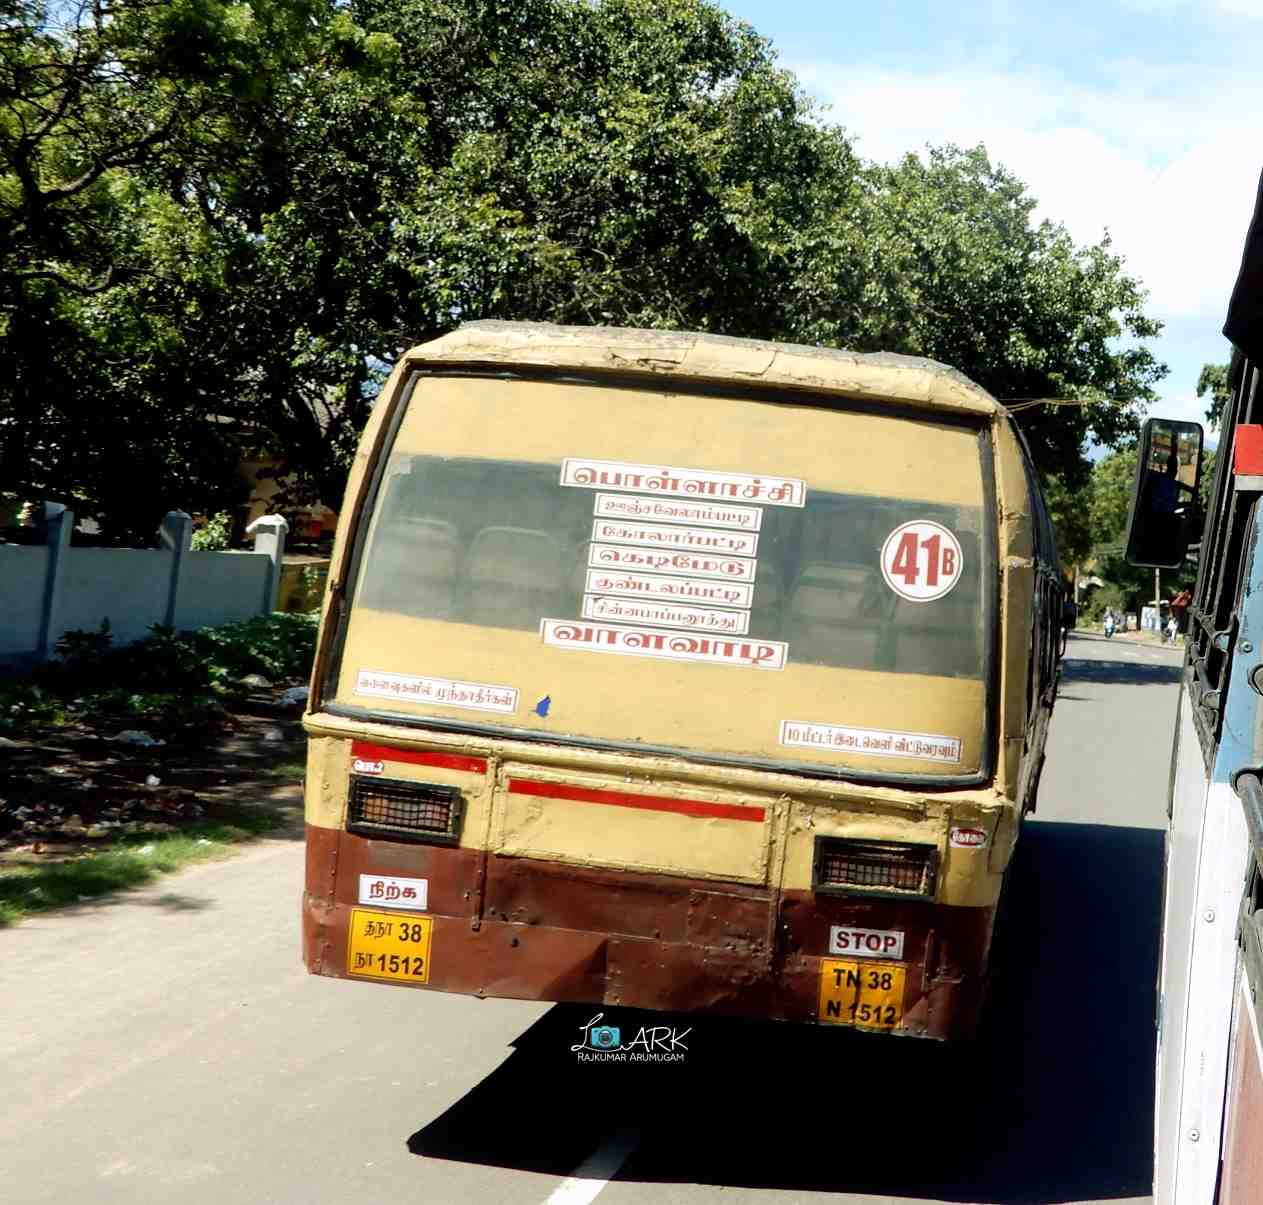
(75, 789)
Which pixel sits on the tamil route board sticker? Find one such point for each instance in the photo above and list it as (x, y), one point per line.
(921, 560)
(385, 945)
(868, 995)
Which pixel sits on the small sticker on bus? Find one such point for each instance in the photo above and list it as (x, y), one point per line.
(675, 589)
(362, 765)
(871, 742)
(665, 615)
(727, 568)
(687, 539)
(692, 484)
(921, 561)
(866, 943)
(578, 636)
(391, 891)
(667, 510)
(967, 838)
(444, 692)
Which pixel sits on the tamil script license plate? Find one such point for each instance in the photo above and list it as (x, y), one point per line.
(866, 994)
(385, 945)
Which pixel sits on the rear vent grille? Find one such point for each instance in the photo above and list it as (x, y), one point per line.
(887, 868)
(409, 811)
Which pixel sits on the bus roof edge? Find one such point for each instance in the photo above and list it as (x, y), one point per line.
(876, 376)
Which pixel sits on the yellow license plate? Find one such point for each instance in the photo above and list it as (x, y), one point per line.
(380, 945)
(865, 994)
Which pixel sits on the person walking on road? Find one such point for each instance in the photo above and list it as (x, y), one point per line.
(1179, 607)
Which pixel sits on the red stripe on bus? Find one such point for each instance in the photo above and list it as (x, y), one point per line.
(419, 757)
(624, 799)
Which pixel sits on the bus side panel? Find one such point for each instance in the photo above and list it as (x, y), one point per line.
(1198, 1116)
(1183, 840)
(1242, 1182)
(1017, 627)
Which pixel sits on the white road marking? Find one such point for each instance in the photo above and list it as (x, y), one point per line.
(596, 1171)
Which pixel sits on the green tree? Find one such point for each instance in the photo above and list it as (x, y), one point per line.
(629, 162)
(318, 184)
(1070, 510)
(1212, 381)
(1112, 480)
(942, 258)
(102, 402)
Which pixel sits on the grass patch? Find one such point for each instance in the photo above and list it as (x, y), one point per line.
(170, 682)
(27, 888)
(290, 771)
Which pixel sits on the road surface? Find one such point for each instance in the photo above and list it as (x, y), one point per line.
(167, 1046)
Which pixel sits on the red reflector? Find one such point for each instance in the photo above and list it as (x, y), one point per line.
(1247, 452)
(419, 757)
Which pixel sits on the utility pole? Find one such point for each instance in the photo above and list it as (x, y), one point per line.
(1157, 597)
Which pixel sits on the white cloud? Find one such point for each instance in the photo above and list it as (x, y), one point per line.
(1158, 167)
(1185, 406)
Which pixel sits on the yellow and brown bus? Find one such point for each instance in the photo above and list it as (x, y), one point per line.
(679, 672)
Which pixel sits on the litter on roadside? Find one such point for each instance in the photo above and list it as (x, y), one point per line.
(133, 736)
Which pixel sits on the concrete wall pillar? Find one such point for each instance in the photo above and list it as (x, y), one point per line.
(176, 534)
(57, 523)
(269, 538)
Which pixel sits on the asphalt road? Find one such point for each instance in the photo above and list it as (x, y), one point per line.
(168, 1046)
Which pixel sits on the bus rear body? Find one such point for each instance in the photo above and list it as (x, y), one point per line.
(679, 673)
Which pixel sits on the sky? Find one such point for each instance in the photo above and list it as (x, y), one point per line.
(1120, 116)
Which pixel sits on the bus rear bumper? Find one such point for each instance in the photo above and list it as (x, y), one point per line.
(534, 930)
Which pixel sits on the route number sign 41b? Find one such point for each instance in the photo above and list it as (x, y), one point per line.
(921, 560)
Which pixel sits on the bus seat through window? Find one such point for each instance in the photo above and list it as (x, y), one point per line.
(515, 575)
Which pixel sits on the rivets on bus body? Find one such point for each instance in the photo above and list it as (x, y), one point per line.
(1194, 1135)
(1246, 647)
(1209, 915)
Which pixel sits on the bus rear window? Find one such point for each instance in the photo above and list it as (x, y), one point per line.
(500, 544)
(523, 528)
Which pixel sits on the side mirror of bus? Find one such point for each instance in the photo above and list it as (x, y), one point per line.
(1164, 499)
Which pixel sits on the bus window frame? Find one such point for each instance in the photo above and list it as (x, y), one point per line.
(1213, 615)
(326, 676)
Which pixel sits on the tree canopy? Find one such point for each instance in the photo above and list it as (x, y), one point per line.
(220, 221)
(1212, 384)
